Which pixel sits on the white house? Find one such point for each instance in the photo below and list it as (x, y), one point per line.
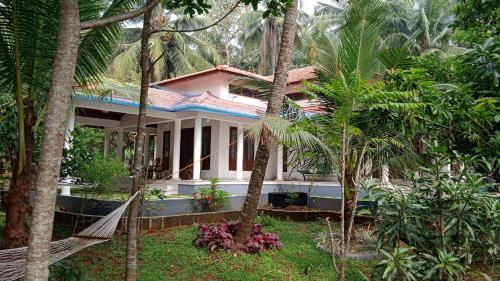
(196, 122)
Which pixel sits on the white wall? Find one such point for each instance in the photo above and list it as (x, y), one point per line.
(224, 172)
(216, 83)
(189, 123)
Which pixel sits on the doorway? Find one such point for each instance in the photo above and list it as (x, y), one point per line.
(186, 153)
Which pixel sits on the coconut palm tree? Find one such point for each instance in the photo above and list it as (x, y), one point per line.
(249, 211)
(29, 31)
(365, 117)
(174, 53)
(431, 25)
(261, 40)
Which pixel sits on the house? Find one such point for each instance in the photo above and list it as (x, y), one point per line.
(196, 123)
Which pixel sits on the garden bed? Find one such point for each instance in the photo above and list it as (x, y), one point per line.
(170, 255)
(307, 214)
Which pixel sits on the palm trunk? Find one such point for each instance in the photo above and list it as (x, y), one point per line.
(350, 193)
(352, 175)
(131, 266)
(249, 211)
(53, 140)
(16, 228)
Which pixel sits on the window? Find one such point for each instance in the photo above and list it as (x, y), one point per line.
(206, 137)
(248, 151)
(248, 154)
(165, 161)
(297, 96)
(238, 90)
(233, 148)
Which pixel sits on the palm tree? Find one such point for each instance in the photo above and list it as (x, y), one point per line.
(431, 25)
(249, 211)
(131, 264)
(28, 40)
(174, 53)
(261, 40)
(365, 117)
(223, 36)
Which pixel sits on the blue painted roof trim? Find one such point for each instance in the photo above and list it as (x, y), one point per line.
(181, 108)
(117, 102)
(211, 109)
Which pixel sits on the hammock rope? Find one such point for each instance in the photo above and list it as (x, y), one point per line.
(13, 261)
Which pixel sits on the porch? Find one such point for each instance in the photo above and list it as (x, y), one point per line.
(190, 146)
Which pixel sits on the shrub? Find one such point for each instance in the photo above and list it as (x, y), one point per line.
(210, 197)
(446, 220)
(105, 173)
(66, 270)
(86, 144)
(221, 236)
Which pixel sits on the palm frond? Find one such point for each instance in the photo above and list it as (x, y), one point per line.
(286, 133)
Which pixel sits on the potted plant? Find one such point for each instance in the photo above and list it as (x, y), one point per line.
(210, 198)
(285, 199)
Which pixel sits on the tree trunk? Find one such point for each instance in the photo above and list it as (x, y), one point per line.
(16, 228)
(131, 265)
(53, 140)
(350, 193)
(249, 211)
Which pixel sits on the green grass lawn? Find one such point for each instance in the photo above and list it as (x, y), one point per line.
(169, 255)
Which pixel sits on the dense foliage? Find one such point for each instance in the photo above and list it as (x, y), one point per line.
(85, 144)
(439, 227)
(221, 237)
(104, 173)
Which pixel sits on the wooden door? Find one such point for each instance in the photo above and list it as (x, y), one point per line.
(187, 147)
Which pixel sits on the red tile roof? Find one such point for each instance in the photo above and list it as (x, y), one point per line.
(311, 106)
(294, 75)
(218, 68)
(176, 101)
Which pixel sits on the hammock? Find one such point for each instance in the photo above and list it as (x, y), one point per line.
(13, 261)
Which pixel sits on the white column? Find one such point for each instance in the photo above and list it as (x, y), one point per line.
(70, 126)
(155, 153)
(385, 175)
(146, 150)
(197, 148)
(279, 163)
(107, 141)
(239, 154)
(119, 144)
(177, 149)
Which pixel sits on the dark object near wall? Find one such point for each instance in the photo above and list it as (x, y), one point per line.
(285, 199)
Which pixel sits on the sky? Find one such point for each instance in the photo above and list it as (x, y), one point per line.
(308, 5)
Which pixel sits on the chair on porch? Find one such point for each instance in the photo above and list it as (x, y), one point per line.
(187, 173)
(157, 169)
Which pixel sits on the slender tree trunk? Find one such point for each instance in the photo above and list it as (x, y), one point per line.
(16, 228)
(131, 265)
(249, 211)
(53, 140)
(350, 193)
